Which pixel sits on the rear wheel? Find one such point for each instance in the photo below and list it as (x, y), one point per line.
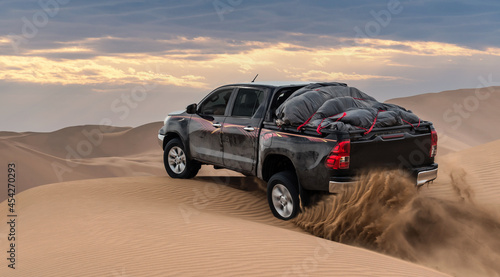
(176, 161)
(283, 196)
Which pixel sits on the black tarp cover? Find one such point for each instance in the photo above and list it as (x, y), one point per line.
(336, 106)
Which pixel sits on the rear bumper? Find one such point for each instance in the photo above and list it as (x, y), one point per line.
(421, 176)
(426, 176)
(337, 187)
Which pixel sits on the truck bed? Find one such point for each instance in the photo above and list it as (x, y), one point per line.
(399, 147)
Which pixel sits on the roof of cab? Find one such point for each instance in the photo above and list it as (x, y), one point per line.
(274, 83)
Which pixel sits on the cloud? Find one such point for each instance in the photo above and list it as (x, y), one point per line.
(318, 76)
(99, 70)
(473, 24)
(202, 62)
(420, 48)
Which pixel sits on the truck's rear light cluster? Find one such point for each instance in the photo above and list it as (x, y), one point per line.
(339, 158)
(434, 144)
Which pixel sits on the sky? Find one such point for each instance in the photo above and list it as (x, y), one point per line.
(126, 63)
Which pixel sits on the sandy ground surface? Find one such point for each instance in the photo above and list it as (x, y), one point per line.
(74, 219)
(156, 226)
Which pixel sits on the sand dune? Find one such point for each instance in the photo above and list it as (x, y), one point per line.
(85, 152)
(104, 141)
(463, 118)
(81, 152)
(222, 225)
(148, 223)
(156, 226)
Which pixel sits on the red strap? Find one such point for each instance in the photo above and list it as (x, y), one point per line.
(318, 130)
(341, 117)
(319, 126)
(412, 124)
(374, 121)
(305, 123)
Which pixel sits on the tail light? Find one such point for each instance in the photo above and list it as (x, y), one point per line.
(340, 156)
(434, 144)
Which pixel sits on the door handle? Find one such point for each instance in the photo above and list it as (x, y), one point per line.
(249, 129)
(217, 125)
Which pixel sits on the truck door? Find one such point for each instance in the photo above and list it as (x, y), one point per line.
(241, 129)
(205, 128)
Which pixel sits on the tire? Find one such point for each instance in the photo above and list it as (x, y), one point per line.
(176, 162)
(283, 196)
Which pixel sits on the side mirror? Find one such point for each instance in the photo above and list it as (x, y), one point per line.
(191, 109)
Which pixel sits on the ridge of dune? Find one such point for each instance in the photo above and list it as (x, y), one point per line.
(163, 227)
(104, 140)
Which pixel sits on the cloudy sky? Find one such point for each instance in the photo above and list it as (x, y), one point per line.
(67, 62)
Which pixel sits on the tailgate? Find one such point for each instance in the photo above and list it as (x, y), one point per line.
(394, 150)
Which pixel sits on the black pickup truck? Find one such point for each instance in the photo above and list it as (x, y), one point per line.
(235, 127)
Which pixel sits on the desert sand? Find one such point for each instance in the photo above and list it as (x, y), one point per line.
(156, 226)
(113, 211)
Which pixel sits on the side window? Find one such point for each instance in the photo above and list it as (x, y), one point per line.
(247, 102)
(216, 103)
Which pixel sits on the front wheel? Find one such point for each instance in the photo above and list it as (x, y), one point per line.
(177, 163)
(283, 196)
